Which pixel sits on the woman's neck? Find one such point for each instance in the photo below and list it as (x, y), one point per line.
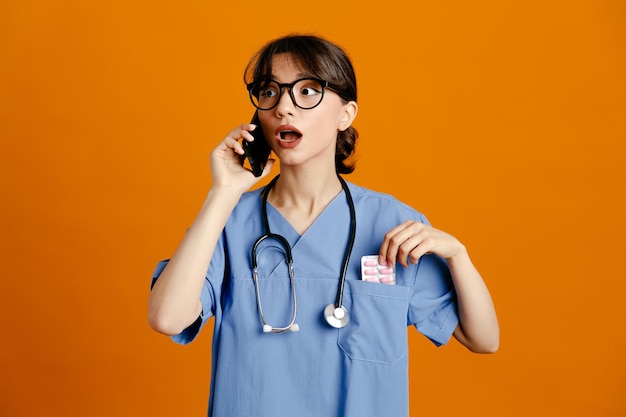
(301, 198)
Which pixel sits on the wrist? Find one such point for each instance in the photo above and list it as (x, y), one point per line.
(459, 254)
(223, 195)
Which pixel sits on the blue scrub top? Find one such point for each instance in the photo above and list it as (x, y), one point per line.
(359, 370)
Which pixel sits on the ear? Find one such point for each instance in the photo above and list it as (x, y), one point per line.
(350, 110)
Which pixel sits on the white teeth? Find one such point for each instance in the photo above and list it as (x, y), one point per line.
(289, 136)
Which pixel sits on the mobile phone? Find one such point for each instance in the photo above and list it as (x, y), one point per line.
(257, 151)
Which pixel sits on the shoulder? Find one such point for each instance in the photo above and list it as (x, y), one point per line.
(375, 201)
(251, 197)
(246, 220)
(249, 203)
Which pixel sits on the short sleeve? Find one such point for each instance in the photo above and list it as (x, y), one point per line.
(206, 298)
(432, 306)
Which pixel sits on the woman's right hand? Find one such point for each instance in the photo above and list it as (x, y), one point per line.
(227, 158)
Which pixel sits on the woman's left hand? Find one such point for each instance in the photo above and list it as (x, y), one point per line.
(409, 241)
(478, 326)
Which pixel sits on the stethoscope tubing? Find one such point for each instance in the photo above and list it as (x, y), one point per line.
(266, 327)
(336, 315)
(352, 236)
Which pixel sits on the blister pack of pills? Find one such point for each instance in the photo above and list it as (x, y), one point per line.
(372, 271)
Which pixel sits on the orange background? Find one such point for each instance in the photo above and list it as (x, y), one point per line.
(504, 122)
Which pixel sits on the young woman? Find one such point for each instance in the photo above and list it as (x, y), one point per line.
(300, 329)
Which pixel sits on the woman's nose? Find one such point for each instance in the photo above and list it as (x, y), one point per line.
(285, 104)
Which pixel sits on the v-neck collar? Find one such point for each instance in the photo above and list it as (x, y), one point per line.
(279, 224)
(319, 251)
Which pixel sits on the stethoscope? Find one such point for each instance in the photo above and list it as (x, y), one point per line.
(335, 313)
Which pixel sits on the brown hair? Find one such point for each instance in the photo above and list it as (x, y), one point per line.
(318, 58)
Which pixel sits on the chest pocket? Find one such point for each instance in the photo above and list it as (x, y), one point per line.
(377, 331)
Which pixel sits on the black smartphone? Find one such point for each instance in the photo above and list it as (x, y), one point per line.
(257, 151)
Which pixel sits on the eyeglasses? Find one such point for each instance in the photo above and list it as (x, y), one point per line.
(305, 93)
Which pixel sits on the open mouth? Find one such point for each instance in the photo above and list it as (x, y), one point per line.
(289, 135)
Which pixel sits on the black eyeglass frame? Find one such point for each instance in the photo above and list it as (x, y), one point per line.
(325, 84)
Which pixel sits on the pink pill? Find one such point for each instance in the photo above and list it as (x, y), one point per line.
(371, 271)
(386, 280)
(370, 263)
(386, 271)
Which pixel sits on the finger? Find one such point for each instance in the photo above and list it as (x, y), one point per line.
(410, 250)
(235, 145)
(246, 133)
(413, 249)
(388, 249)
(412, 243)
(243, 131)
(392, 241)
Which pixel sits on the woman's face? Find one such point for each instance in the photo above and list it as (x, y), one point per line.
(304, 138)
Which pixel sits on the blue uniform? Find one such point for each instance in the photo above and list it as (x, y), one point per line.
(359, 370)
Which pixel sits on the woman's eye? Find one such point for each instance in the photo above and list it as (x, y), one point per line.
(309, 91)
(268, 93)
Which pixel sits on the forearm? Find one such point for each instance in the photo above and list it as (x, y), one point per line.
(478, 325)
(175, 298)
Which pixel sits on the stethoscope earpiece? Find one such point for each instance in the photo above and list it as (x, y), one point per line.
(335, 313)
(291, 328)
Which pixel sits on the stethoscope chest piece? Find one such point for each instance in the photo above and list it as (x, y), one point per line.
(337, 317)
